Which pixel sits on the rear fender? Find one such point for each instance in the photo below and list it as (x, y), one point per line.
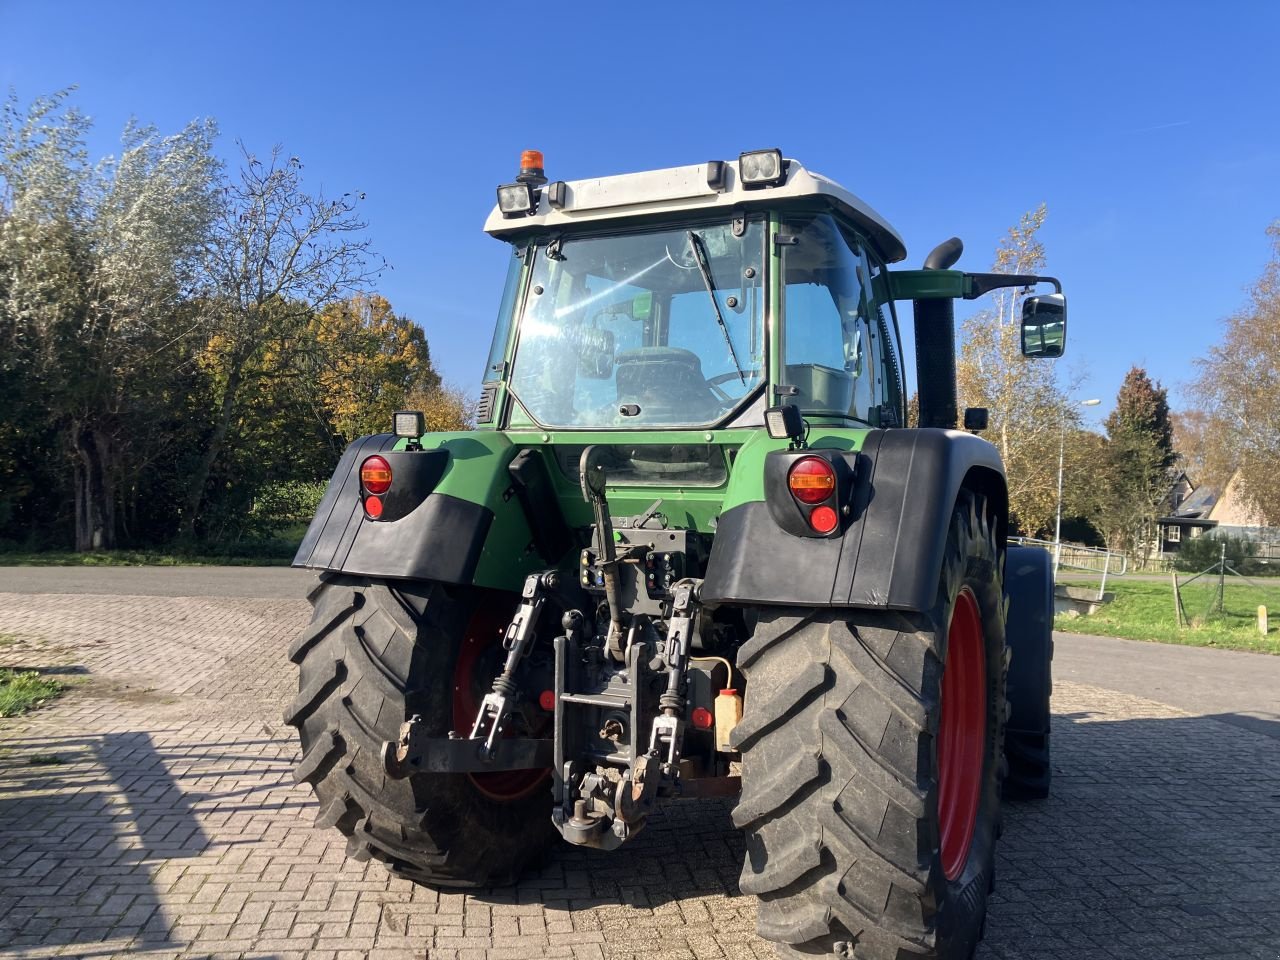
(894, 528)
(452, 515)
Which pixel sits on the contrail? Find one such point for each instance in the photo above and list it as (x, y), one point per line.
(1162, 126)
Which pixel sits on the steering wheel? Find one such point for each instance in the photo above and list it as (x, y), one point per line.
(684, 262)
(719, 378)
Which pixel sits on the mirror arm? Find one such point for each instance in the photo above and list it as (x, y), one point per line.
(978, 284)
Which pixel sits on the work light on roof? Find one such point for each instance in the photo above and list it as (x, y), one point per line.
(762, 168)
(516, 199)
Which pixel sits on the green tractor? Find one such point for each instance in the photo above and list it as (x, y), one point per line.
(692, 549)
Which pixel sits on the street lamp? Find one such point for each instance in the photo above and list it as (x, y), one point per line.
(1057, 526)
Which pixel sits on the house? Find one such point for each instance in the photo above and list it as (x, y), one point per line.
(1194, 510)
(1188, 514)
(1232, 513)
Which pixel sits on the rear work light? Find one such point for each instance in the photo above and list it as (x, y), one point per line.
(409, 423)
(811, 480)
(517, 199)
(762, 168)
(375, 475)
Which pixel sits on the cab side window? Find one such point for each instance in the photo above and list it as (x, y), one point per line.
(828, 346)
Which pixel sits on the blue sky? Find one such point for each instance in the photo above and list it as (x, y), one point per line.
(1150, 129)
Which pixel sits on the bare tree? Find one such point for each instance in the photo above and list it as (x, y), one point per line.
(1237, 387)
(1029, 410)
(277, 255)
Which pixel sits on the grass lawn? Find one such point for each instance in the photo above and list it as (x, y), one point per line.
(21, 691)
(134, 558)
(1143, 610)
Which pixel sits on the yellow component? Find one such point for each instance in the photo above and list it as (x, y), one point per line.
(728, 705)
(728, 713)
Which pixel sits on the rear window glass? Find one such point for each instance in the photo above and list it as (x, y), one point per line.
(677, 464)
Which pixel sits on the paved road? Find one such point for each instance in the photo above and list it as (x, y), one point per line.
(273, 583)
(1239, 688)
(152, 811)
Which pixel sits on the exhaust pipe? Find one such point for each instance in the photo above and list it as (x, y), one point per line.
(936, 346)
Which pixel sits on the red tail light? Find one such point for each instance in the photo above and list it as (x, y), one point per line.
(375, 475)
(823, 519)
(811, 480)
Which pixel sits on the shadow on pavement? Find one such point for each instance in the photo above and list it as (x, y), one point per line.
(92, 827)
(1158, 840)
(689, 849)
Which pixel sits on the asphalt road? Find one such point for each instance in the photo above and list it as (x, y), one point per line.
(1228, 685)
(1238, 688)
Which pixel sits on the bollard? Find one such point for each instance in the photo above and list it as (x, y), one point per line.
(1262, 620)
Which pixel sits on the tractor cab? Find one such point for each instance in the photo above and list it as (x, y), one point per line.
(695, 297)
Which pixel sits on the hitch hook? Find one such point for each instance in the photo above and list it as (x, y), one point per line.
(496, 706)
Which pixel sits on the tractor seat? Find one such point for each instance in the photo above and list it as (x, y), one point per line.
(666, 383)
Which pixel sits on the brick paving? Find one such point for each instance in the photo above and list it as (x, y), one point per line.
(151, 812)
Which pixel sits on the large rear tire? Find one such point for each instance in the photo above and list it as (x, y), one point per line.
(871, 791)
(374, 655)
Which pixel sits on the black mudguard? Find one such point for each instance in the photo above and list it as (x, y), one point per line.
(889, 555)
(422, 535)
(1028, 583)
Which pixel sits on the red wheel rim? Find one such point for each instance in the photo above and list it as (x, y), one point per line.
(962, 733)
(478, 664)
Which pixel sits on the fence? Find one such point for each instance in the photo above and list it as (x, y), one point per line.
(1265, 540)
(1222, 595)
(1073, 556)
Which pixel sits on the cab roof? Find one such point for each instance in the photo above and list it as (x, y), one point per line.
(682, 189)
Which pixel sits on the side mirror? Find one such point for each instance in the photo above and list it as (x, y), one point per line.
(1044, 325)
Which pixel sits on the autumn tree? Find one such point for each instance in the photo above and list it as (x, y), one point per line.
(1236, 385)
(1138, 458)
(444, 407)
(1082, 493)
(1028, 410)
(97, 262)
(1190, 439)
(277, 255)
(370, 361)
(177, 346)
(1200, 444)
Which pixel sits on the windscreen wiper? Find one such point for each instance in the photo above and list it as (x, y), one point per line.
(704, 268)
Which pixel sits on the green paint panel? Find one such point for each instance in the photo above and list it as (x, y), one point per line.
(928, 284)
(477, 472)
